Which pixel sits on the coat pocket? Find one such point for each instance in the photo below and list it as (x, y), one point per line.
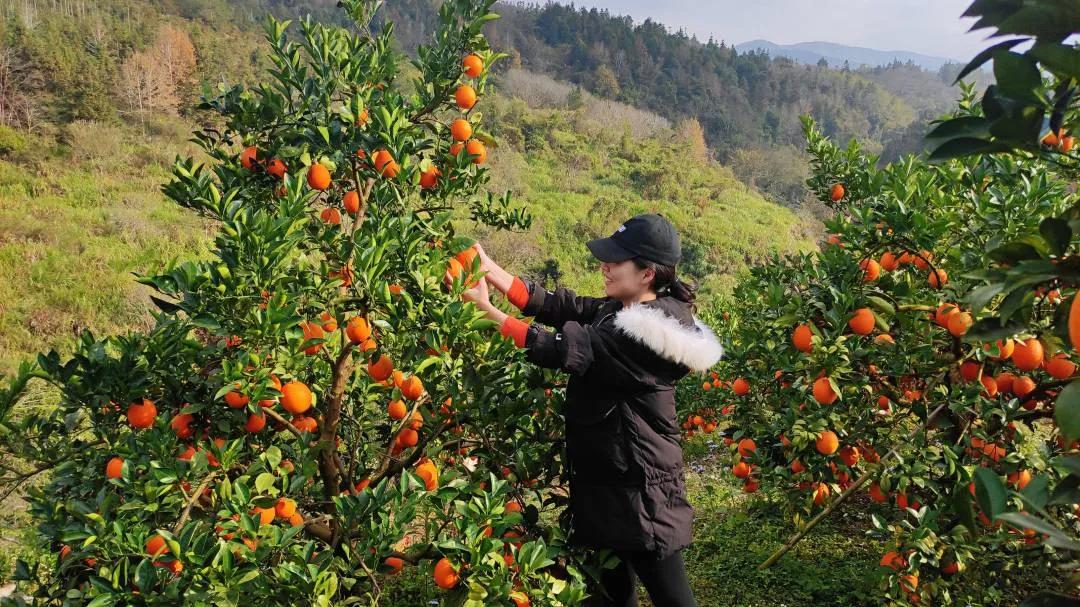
(597, 443)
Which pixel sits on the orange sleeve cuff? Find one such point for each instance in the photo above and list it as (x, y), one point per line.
(518, 293)
(516, 329)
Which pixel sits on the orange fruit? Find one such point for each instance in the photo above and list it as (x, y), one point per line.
(827, 443)
(740, 386)
(412, 388)
(1050, 139)
(304, 423)
(296, 397)
(877, 494)
(472, 65)
(430, 178)
(465, 96)
(427, 471)
(394, 563)
(938, 278)
(821, 493)
(329, 323)
(871, 270)
(750, 486)
(476, 149)
(331, 216)
(461, 129)
(741, 470)
(265, 516)
(1066, 144)
(455, 148)
(801, 338)
(849, 455)
(115, 468)
(285, 508)
(1022, 386)
(836, 192)
(312, 331)
(1060, 367)
(1005, 382)
(888, 261)
(893, 560)
(276, 168)
(156, 546)
(706, 386)
(747, 447)
(1028, 354)
(908, 583)
(381, 369)
(255, 423)
(823, 391)
(445, 575)
(862, 322)
(1074, 323)
(384, 163)
(408, 438)
(944, 311)
(959, 323)
(181, 425)
(397, 409)
(235, 399)
(318, 177)
(141, 415)
(1004, 348)
(296, 520)
(351, 202)
(357, 329)
(797, 467)
(922, 259)
(247, 157)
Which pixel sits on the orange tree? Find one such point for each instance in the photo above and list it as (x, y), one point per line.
(920, 356)
(315, 407)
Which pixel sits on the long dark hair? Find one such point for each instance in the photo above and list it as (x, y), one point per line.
(666, 281)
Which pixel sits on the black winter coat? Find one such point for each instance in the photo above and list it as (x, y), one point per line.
(623, 455)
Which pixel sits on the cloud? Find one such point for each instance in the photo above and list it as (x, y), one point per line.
(932, 27)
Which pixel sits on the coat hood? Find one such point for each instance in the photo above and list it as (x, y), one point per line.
(668, 327)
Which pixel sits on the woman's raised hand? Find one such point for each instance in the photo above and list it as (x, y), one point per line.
(494, 274)
(478, 294)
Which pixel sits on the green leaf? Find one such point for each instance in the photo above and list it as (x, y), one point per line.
(102, 600)
(1017, 75)
(985, 56)
(965, 146)
(1067, 410)
(273, 457)
(989, 492)
(264, 482)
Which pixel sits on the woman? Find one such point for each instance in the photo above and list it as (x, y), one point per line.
(624, 353)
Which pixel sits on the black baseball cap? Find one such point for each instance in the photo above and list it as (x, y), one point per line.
(649, 236)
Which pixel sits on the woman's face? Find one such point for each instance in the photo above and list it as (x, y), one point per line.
(624, 280)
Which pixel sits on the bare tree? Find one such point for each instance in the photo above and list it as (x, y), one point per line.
(17, 80)
(150, 79)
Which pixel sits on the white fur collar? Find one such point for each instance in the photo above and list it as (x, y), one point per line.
(669, 338)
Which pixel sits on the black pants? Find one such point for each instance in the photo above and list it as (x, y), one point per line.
(665, 579)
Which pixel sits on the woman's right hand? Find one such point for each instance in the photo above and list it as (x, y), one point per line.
(494, 274)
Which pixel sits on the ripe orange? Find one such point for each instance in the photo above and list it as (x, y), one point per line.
(959, 323)
(801, 337)
(827, 443)
(318, 177)
(741, 470)
(944, 311)
(871, 270)
(750, 485)
(329, 323)
(1004, 348)
(265, 516)
(277, 168)
(295, 397)
(397, 409)
(1028, 354)
(706, 386)
(156, 546)
(888, 261)
(461, 129)
(1066, 144)
(862, 322)
(312, 331)
(285, 508)
(408, 438)
(141, 415)
(255, 423)
(465, 96)
(836, 192)
(304, 423)
(430, 178)
(181, 425)
(740, 386)
(877, 494)
(445, 575)
(115, 468)
(908, 583)
(296, 520)
(823, 391)
(412, 388)
(455, 148)
(235, 399)
(1050, 139)
(797, 467)
(358, 330)
(922, 259)
(394, 563)
(472, 65)
(1019, 479)
(331, 216)
(938, 278)
(362, 117)
(247, 157)
(381, 369)
(1022, 386)
(849, 455)
(427, 471)
(821, 493)
(351, 202)
(893, 560)
(747, 447)
(276, 384)
(1060, 367)
(476, 149)
(385, 164)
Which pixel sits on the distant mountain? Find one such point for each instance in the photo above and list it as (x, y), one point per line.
(836, 54)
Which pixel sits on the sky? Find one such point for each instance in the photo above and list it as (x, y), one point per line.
(931, 27)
